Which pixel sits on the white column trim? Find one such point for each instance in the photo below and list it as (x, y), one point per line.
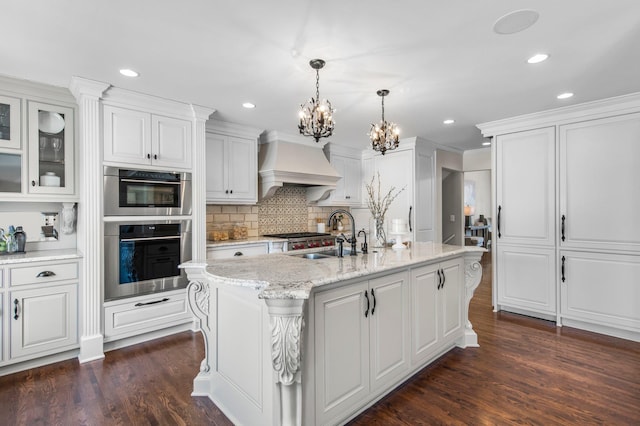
(199, 181)
(90, 225)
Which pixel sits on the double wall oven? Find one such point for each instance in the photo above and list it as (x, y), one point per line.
(147, 231)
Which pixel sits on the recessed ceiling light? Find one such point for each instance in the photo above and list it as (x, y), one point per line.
(565, 95)
(537, 58)
(248, 105)
(128, 72)
(449, 121)
(486, 143)
(514, 22)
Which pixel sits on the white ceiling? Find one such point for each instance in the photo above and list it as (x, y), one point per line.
(439, 59)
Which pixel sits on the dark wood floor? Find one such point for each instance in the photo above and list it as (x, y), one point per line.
(526, 371)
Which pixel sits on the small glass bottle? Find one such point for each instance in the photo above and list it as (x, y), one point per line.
(20, 238)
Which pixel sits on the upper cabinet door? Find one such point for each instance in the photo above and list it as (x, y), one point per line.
(51, 146)
(9, 122)
(243, 166)
(525, 193)
(171, 142)
(127, 136)
(600, 200)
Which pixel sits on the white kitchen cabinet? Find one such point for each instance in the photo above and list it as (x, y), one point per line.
(51, 149)
(43, 320)
(41, 309)
(144, 139)
(600, 289)
(566, 199)
(436, 309)
(144, 314)
(237, 250)
(525, 194)
(600, 183)
(348, 164)
(362, 342)
(342, 348)
(9, 122)
(232, 169)
(412, 167)
(526, 279)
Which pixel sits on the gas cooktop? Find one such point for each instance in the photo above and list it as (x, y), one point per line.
(305, 240)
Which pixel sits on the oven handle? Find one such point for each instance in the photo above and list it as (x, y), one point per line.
(176, 237)
(162, 182)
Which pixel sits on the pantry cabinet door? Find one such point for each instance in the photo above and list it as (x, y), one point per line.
(600, 200)
(525, 192)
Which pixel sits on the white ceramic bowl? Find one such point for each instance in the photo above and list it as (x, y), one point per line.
(49, 179)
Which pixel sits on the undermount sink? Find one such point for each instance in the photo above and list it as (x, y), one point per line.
(315, 256)
(325, 254)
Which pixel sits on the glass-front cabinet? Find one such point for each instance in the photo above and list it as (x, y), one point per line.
(9, 122)
(51, 130)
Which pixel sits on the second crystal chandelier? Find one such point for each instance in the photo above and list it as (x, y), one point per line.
(384, 135)
(316, 118)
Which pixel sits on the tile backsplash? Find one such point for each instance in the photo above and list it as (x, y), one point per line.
(286, 211)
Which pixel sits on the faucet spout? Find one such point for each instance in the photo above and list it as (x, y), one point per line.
(351, 240)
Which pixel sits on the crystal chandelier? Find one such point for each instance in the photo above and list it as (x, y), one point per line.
(315, 115)
(384, 136)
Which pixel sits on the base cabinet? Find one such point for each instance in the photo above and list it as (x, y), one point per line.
(601, 289)
(436, 309)
(527, 279)
(362, 343)
(43, 320)
(39, 304)
(139, 315)
(237, 250)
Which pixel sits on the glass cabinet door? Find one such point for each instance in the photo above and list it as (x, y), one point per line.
(51, 130)
(9, 122)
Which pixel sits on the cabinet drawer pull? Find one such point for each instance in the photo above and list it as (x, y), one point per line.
(499, 212)
(16, 304)
(439, 279)
(444, 278)
(563, 219)
(374, 302)
(348, 197)
(238, 253)
(45, 274)
(563, 259)
(366, 296)
(166, 299)
(410, 225)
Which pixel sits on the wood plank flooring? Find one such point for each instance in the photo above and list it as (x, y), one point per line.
(526, 371)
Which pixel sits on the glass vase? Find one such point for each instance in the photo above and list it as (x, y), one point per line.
(378, 236)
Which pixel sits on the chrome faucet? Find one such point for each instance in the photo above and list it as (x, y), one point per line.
(351, 240)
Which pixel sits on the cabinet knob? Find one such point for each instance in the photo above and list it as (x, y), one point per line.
(155, 156)
(226, 191)
(33, 183)
(149, 156)
(231, 191)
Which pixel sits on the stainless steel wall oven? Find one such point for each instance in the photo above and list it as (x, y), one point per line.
(143, 257)
(129, 192)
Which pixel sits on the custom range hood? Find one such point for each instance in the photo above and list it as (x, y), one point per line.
(294, 160)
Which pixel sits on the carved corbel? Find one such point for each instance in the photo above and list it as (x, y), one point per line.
(472, 278)
(287, 322)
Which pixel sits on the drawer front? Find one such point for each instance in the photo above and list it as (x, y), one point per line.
(156, 312)
(236, 251)
(43, 273)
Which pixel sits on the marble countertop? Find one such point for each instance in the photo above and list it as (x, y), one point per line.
(39, 256)
(289, 276)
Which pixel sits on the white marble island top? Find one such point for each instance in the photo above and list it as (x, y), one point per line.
(289, 276)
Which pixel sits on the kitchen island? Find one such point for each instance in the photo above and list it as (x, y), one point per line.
(292, 340)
